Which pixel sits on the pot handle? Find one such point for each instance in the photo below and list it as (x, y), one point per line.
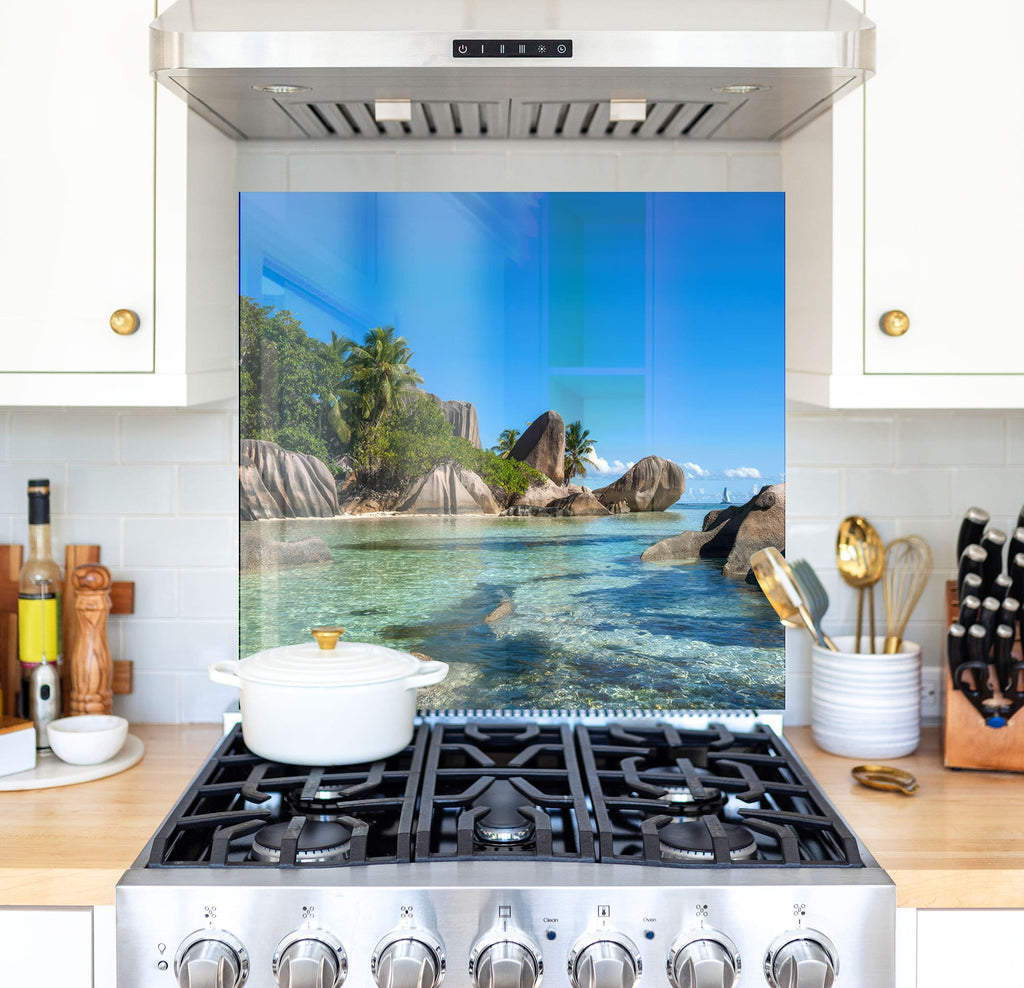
(430, 672)
(224, 672)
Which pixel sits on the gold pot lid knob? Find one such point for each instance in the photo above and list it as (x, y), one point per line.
(124, 322)
(327, 637)
(895, 323)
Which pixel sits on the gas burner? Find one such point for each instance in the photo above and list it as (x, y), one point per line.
(502, 823)
(682, 802)
(691, 841)
(319, 842)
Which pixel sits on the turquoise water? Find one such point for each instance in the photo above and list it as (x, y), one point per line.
(591, 625)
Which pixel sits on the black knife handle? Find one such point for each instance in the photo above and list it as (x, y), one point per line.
(1016, 545)
(971, 528)
(956, 650)
(1009, 612)
(993, 542)
(972, 560)
(1000, 587)
(1002, 661)
(977, 645)
(970, 608)
(1020, 518)
(1017, 576)
(988, 618)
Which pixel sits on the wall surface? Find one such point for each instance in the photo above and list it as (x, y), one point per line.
(158, 490)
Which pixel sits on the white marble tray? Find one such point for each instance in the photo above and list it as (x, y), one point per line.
(50, 771)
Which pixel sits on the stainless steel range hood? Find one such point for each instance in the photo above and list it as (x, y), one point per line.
(532, 69)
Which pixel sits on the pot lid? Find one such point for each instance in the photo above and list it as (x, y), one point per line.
(341, 664)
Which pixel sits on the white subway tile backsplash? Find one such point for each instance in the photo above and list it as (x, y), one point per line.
(999, 490)
(86, 437)
(654, 172)
(897, 492)
(755, 173)
(1015, 439)
(156, 592)
(209, 593)
(160, 645)
(865, 441)
(811, 492)
(121, 490)
(174, 437)
(5, 420)
(312, 172)
(155, 698)
(594, 171)
(202, 700)
(474, 172)
(952, 440)
(180, 542)
(81, 530)
(208, 490)
(14, 478)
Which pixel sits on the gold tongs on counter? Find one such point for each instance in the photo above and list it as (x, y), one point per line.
(885, 777)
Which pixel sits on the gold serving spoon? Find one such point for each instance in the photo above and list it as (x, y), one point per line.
(776, 581)
(860, 559)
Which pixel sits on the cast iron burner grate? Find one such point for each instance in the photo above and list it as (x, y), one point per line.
(237, 794)
(626, 792)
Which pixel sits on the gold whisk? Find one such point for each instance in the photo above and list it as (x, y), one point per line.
(908, 564)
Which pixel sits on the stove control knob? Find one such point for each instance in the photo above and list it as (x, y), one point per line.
(310, 959)
(801, 959)
(509, 960)
(211, 959)
(709, 960)
(410, 959)
(609, 960)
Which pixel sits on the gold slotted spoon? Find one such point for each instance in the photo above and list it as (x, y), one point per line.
(860, 559)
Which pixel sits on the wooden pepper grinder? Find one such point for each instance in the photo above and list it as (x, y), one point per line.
(92, 670)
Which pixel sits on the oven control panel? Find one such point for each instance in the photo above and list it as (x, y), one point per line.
(269, 935)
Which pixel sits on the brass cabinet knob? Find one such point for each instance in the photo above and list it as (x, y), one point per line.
(124, 322)
(895, 323)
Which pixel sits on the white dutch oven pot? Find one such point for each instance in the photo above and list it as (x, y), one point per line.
(326, 703)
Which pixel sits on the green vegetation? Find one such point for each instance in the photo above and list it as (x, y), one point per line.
(342, 397)
(506, 442)
(579, 447)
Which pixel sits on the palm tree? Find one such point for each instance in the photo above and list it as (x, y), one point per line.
(380, 371)
(579, 447)
(506, 443)
(337, 397)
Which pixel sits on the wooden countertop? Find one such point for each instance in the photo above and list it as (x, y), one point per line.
(958, 843)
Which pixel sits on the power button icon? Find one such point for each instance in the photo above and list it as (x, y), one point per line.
(463, 49)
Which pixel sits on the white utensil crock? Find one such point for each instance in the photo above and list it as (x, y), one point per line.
(306, 706)
(866, 706)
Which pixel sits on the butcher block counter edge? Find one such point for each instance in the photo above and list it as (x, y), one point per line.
(958, 843)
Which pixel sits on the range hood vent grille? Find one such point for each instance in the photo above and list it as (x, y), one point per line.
(448, 120)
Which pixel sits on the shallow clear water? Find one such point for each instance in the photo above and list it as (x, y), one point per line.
(591, 625)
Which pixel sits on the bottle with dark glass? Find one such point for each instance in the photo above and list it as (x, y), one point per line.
(39, 589)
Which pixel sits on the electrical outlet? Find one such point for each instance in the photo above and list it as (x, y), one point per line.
(931, 700)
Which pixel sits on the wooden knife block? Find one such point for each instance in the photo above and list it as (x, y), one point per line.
(122, 595)
(967, 741)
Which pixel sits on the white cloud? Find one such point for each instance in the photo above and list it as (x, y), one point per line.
(601, 465)
(744, 472)
(695, 470)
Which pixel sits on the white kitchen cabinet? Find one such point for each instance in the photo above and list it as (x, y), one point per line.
(113, 196)
(46, 947)
(907, 197)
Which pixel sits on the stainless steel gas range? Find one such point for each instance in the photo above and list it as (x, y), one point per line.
(499, 852)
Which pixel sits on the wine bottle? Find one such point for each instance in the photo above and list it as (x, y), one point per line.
(39, 587)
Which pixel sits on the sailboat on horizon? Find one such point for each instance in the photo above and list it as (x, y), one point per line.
(726, 496)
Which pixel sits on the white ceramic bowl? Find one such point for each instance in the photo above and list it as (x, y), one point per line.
(88, 739)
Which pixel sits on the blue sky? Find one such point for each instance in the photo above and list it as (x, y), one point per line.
(657, 319)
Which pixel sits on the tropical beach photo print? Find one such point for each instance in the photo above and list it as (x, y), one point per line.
(534, 435)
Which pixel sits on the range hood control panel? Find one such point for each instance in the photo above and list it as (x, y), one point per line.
(515, 48)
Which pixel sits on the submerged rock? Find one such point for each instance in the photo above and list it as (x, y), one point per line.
(260, 555)
(503, 610)
(733, 534)
(651, 484)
